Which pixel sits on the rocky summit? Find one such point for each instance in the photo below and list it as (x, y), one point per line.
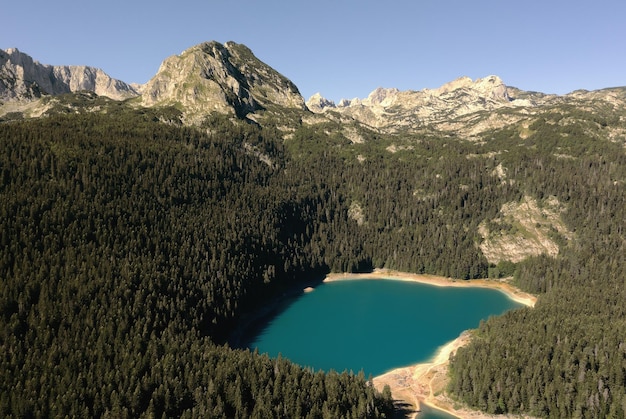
(212, 77)
(392, 110)
(464, 107)
(22, 78)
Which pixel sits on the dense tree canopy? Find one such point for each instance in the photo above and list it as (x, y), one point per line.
(129, 249)
(567, 356)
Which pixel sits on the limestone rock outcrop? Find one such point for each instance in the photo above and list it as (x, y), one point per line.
(392, 109)
(227, 78)
(317, 103)
(22, 78)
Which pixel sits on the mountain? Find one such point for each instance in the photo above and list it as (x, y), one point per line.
(227, 78)
(205, 79)
(464, 106)
(317, 103)
(392, 110)
(22, 78)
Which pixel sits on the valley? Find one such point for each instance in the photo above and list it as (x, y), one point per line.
(140, 224)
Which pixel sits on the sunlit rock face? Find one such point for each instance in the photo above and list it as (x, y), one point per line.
(211, 77)
(391, 109)
(22, 78)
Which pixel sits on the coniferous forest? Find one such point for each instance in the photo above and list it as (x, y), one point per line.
(129, 249)
(132, 247)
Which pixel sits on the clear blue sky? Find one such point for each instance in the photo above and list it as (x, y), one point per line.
(342, 49)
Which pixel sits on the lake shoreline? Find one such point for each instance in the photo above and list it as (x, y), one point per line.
(254, 320)
(424, 383)
(512, 292)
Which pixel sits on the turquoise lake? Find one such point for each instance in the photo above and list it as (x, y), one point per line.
(375, 325)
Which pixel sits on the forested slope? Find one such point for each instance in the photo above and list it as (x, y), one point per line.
(131, 247)
(567, 356)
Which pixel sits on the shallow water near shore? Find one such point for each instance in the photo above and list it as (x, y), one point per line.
(375, 325)
(431, 413)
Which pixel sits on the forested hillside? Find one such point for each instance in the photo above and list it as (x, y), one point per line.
(567, 356)
(131, 248)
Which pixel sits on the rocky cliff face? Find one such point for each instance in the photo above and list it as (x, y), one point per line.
(464, 107)
(317, 103)
(212, 77)
(391, 109)
(22, 78)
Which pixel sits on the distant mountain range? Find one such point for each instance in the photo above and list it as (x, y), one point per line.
(228, 79)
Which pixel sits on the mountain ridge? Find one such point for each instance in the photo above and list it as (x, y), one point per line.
(228, 79)
(390, 109)
(23, 78)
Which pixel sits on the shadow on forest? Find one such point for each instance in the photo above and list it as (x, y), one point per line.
(403, 410)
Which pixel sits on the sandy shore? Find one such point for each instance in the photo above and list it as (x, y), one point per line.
(513, 293)
(426, 382)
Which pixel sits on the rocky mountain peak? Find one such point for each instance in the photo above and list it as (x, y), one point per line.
(460, 83)
(490, 87)
(224, 78)
(317, 103)
(346, 102)
(381, 96)
(392, 109)
(22, 78)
